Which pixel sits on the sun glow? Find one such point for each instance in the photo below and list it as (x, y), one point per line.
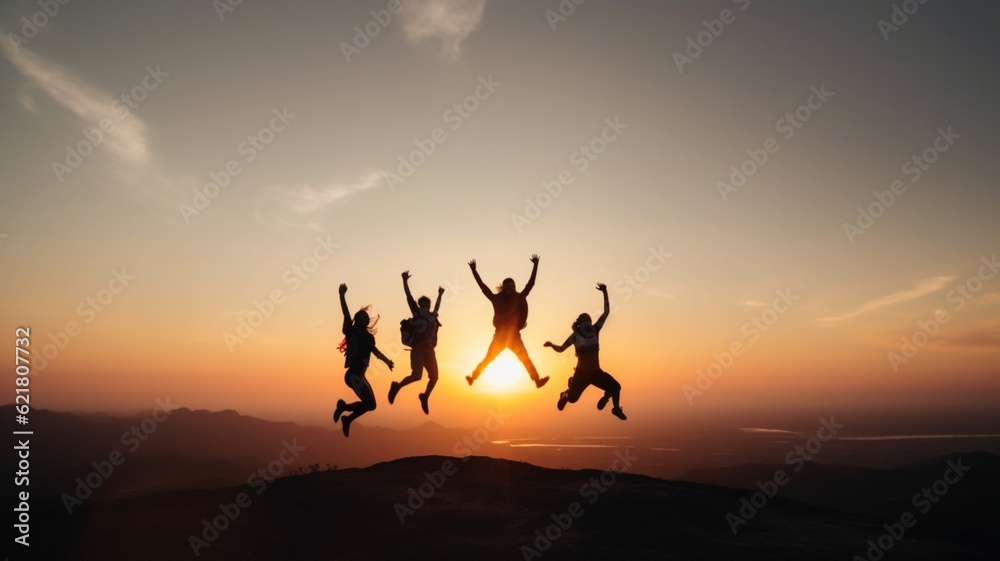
(505, 373)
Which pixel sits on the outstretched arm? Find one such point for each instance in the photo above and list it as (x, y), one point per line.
(534, 273)
(607, 306)
(437, 304)
(479, 280)
(560, 348)
(378, 354)
(344, 308)
(409, 296)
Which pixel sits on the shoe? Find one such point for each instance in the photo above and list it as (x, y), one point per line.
(393, 390)
(601, 403)
(541, 381)
(423, 403)
(562, 401)
(339, 411)
(617, 412)
(347, 426)
(470, 379)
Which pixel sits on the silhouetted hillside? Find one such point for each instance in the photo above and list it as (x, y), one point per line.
(486, 509)
(966, 511)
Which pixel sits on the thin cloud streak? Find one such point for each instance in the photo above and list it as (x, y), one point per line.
(922, 288)
(303, 206)
(451, 21)
(127, 141)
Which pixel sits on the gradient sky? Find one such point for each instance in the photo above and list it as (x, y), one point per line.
(655, 187)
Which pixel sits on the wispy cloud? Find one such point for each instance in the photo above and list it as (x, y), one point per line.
(755, 303)
(305, 206)
(451, 21)
(922, 288)
(90, 105)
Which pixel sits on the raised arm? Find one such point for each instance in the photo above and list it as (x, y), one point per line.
(607, 306)
(437, 303)
(409, 296)
(479, 280)
(560, 348)
(344, 308)
(534, 273)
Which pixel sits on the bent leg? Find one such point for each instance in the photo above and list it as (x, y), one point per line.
(431, 364)
(416, 367)
(611, 387)
(517, 346)
(497, 345)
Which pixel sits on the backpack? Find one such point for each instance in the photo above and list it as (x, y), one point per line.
(417, 331)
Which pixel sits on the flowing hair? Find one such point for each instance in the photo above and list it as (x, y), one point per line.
(372, 323)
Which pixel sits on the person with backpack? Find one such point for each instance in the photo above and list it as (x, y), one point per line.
(510, 316)
(588, 370)
(358, 346)
(420, 334)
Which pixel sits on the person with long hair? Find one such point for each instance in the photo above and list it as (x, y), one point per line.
(358, 346)
(588, 370)
(510, 316)
(423, 328)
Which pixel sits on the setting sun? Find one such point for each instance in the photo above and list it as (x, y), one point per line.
(506, 373)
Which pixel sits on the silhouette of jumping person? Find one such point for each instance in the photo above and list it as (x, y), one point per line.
(423, 327)
(588, 370)
(358, 346)
(510, 316)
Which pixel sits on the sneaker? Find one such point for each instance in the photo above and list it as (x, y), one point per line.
(423, 403)
(347, 426)
(562, 401)
(339, 411)
(617, 412)
(470, 379)
(393, 390)
(601, 403)
(541, 381)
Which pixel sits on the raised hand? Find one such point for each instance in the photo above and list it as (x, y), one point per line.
(534, 258)
(406, 275)
(549, 344)
(602, 287)
(440, 290)
(472, 264)
(390, 364)
(343, 289)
